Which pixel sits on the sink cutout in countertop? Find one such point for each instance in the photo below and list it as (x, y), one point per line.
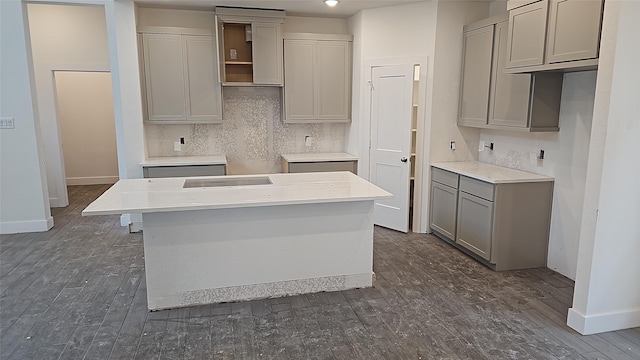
(195, 183)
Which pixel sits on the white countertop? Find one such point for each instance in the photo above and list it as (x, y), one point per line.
(184, 160)
(490, 173)
(318, 157)
(167, 194)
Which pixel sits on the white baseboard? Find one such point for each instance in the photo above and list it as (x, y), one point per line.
(593, 324)
(92, 180)
(15, 227)
(57, 202)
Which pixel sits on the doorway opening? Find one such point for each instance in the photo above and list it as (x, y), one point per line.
(85, 114)
(393, 156)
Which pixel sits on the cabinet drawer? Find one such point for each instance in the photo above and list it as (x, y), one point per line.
(187, 170)
(476, 187)
(444, 177)
(322, 166)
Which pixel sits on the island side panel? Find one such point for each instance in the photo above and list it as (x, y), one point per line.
(210, 256)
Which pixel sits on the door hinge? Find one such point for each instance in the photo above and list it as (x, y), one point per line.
(370, 84)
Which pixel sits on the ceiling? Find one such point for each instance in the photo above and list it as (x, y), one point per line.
(344, 9)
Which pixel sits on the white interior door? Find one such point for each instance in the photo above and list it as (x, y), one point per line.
(391, 100)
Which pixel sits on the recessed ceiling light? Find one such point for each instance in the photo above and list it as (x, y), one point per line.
(331, 3)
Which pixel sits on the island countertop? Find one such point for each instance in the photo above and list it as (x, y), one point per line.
(168, 194)
(490, 173)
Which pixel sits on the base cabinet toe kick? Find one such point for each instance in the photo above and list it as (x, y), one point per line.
(503, 223)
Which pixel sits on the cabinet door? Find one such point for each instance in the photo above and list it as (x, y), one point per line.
(476, 75)
(204, 96)
(300, 90)
(571, 36)
(527, 31)
(334, 75)
(475, 224)
(267, 53)
(444, 203)
(164, 77)
(510, 93)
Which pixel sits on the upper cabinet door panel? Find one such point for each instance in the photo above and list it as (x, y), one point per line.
(527, 31)
(476, 76)
(574, 30)
(334, 72)
(267, 53)
(203, 85)
(510, 93)
(164, 79)
(301, 80)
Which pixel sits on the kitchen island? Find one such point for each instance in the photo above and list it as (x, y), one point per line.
(232, 238)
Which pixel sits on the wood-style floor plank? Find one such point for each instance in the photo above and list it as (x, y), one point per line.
(79, 292)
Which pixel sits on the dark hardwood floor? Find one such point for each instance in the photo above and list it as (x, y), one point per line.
(78, 292)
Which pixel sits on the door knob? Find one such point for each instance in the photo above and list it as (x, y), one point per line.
(403, 159)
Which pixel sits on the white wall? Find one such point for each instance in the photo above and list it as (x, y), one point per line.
(85, 113)
(384, 36)
(25, 204)
(452, 16)
(607, 290)
(565, 159)
(301, 24)
(63, 37)
(203, 19)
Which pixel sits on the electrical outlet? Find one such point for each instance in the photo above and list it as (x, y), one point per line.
(177, 146)
(308, 141)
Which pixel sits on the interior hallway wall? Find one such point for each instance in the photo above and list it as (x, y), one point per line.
(607, 291)
(63, 37)
(85, 113)
(24, 205)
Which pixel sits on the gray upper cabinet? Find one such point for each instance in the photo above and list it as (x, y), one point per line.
(180, 80)
(574, 30)
(527, 32)
(553, 35)
(317, 78)
(476, 75)
(250, 46)
(491, 98)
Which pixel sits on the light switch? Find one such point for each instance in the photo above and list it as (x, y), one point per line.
(177, 146)
(308, 141)
(6, 123)
(481, 146)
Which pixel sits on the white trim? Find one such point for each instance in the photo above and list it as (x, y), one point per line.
(420, 209)
(314, 36)
(593, 324)
(58, 178)
(15, 227)
(92, 180)
(174, 30)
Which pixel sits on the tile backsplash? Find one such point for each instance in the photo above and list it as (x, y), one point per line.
(252, 135)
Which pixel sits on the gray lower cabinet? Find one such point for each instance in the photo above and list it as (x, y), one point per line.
(475, 224)
(184, 171)
(504, 225)
(319, 166)
(444, 203)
